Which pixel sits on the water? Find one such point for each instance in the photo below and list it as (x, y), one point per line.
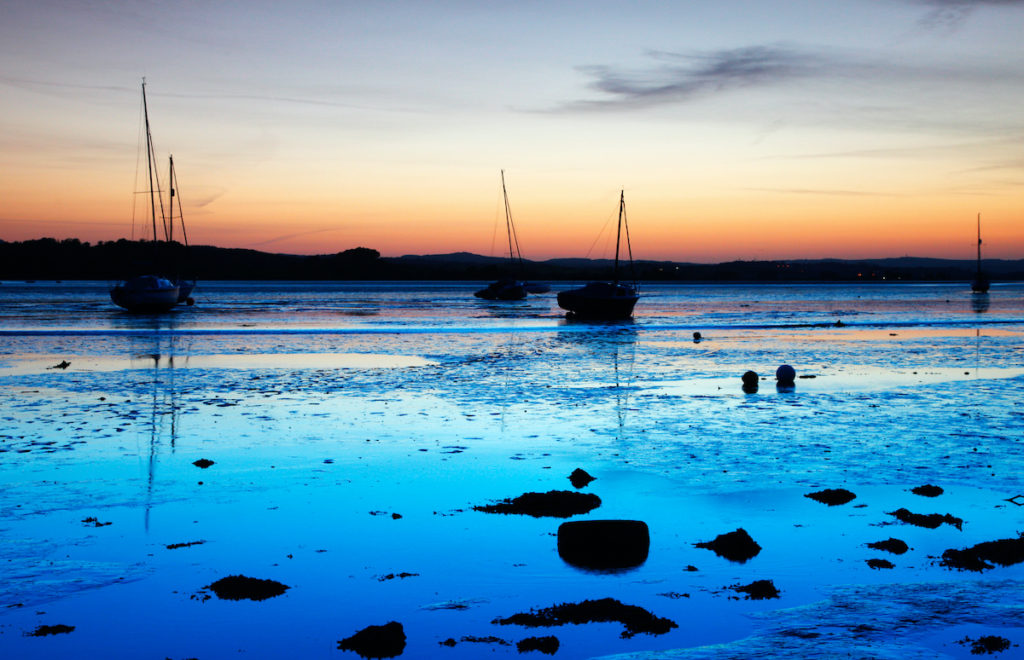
(329, 407)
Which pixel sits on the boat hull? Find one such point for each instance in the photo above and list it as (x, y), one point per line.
(146, 294)
(502, 290)
(599, 301)
(980, 285)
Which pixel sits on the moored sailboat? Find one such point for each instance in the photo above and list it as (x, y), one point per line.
(605, 300)
(147, 293)
(980, 284)
(510, 288)
(150, 292)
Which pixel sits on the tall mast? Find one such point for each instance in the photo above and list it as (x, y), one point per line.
(509, 227)
(618, 233)
(979, 243)
(149, 160)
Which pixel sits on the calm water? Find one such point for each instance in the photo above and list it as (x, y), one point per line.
(328, 407)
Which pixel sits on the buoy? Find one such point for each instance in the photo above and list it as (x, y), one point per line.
(190, 301)
(696, 337)
(750, 380)
(785, 374)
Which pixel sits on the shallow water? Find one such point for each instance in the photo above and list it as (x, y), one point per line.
(329, 407)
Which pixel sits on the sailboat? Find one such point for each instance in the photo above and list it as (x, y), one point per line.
(605, 300)
(148, 293)
(980, 283)
(510, 288)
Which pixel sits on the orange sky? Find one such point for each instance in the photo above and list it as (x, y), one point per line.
(735, 135)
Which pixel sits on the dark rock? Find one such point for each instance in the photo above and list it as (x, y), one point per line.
(929, 520)
(553, 504)
(927, 490)
(547, 645)
(635, 619)
(880, 563)
(734, 546)
(895, 546)
(202, 463)
(387, 641)
(579, 478)
(604, 544)
(758, 590)
(983, 556)
(832, 496)
(240, 587)
(986, 644)
(43, 631)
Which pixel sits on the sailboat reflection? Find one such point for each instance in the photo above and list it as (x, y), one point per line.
(153, 356)
(980, 303)
(608, 345)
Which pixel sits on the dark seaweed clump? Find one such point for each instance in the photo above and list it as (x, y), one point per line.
(635, 619)
(928, 520)
(189, 544)
(928, 490)
(547, 645)
(553, 504)
(385, 641)
(986, 644)
(734, 546)
(880, 563)
(895, 546)
(240, 587)
(757, 590)
(982, 556)
(202, 463)
(832, 496)
(43, 631)
(579, 478)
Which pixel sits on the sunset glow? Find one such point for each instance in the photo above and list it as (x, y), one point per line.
(739, 130)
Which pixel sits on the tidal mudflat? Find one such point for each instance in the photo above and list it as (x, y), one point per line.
(287, 472)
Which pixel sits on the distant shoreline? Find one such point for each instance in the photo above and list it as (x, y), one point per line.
(71, 259)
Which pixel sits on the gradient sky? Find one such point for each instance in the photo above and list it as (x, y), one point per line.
(739, 129)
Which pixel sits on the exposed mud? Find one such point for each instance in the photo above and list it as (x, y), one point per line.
(985, 555)
(547, 645)
(927, 520)
(240, 587)
(895, 546)
(757, 590)
(832, 496)
(580, 478)
(635, 619)
(553, 504)
(387, 641)
(735, 546)
(928, 490)
(43, 631)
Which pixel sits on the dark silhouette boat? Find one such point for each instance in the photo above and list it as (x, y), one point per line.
(151, 292)
(980, 284)
(511, 288)
(605, 300)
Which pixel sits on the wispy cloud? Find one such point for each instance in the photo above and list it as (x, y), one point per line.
(951, 14)
(679, 77)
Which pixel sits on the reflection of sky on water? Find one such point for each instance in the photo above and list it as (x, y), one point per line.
(313, 433)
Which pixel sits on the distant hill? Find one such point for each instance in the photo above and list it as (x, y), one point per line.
(70, 259)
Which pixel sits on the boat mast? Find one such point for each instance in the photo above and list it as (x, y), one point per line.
(149, 159)
(979, 244)
(618, 233)
(510, 228)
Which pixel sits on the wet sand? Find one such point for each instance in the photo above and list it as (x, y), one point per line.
(350, 496)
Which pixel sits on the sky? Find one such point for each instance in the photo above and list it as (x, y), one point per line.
(737, 129)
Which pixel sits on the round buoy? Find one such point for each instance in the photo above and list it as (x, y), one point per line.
(785, 374)
(696, 337)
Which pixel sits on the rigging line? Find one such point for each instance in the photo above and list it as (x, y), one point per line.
(629, 246)
(600, 234)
